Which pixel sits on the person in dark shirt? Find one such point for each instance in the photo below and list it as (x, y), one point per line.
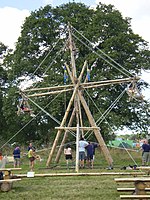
(146, 153)
(90, 151)
(95, 145)
(16, 154)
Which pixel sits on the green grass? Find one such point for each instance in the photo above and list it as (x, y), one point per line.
(70, 188)
(63, 188)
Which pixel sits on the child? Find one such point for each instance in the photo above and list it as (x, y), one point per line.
(32, 157)
(68, 154)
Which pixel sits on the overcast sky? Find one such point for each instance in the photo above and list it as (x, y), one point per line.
(13, 13)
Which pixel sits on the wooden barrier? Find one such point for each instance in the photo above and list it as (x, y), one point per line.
(144, 167)
(83, 174)
(129, 189)
(142, 186)
(135, 197)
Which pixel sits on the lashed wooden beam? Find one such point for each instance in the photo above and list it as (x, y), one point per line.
(86, 86)
(48, 93)
(49, 88)
(75, 128)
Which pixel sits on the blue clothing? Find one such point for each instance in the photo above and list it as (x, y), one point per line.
(90, 150)
(94, 147)
(29, 147)
(16, 153)
(146, 147)
(81, 155)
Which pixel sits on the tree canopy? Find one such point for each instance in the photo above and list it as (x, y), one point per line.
(101, 36)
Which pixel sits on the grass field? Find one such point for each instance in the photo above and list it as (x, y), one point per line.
(72, 187)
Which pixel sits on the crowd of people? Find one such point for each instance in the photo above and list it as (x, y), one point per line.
(86, 153)
(17, 156)
(31, 156)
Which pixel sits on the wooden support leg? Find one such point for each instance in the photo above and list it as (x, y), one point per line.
(53, 148)
(97, 132)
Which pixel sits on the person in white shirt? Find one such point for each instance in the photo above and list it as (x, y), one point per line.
(82, 145)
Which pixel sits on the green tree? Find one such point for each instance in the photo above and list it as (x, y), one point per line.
(3, 78)
(44, 33)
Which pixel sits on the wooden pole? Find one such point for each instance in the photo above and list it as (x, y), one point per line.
(123, 80)
(76, 99)
(80, 116)
(48, 88)
(77, 149)
(72, 51)
(48, 93)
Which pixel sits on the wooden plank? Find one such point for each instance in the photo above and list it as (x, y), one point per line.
(129, 189)
(10, 169)
(143, 179)
(135, 196)
(76, 174)
(75, 128)
(144, 167)
(10, 180)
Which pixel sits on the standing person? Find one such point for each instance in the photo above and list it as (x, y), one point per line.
(82, 145)
(3, 160)
(90, 151)
(68, 154)
(146, 153)
(32, 157)
(16, 155)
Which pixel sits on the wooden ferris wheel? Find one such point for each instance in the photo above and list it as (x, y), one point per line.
(77, 101)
